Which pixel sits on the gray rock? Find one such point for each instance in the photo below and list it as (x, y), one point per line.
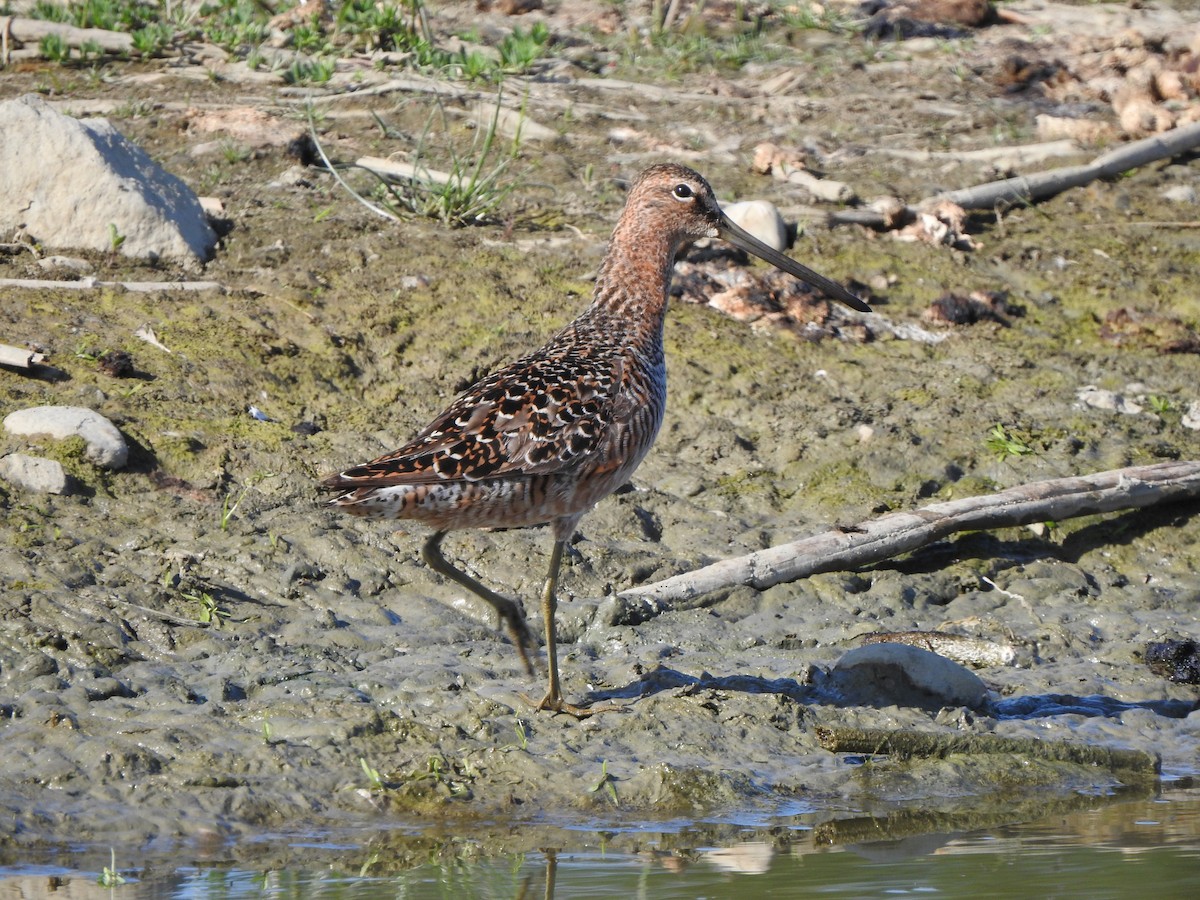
(1098, 398)
(46, 476)
(68, 183)
(106, 446)
(1179, 193)
(67, 264)
(761, 219)
(1191, 418)
(900, 675)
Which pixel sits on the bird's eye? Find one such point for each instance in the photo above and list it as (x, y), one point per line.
(683, 192)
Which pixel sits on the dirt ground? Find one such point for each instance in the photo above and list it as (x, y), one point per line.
(196, 646)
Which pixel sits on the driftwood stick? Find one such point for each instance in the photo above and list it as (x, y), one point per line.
(396, 85)
(900, 532)
(30, 31)
(18, 357)
(88, 283)
(402, 171)
(907, 744)
(1019, 155)
(1026, 189)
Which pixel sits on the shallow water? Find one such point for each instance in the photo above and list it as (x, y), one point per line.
(1107, 849)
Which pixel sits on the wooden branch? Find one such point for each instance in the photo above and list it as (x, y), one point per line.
(900, 532)
(907, 744)
(88, 283)
(396, 85)
(18, 357)
(1026, 189)
(1020, 155)
(401, 171)
(31, 31)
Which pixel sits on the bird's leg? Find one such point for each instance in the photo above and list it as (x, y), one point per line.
(510, 613)
(553, 700)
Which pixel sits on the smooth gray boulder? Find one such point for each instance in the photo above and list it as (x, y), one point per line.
(899, 675)
(46, 476)
(79, 184)
(106, 446)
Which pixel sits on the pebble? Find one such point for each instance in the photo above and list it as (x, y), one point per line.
(33, 473)
(1179, 193)
(106, 446)
(761, 219)
(1191, 418)
(65, 264)
(1098, 398)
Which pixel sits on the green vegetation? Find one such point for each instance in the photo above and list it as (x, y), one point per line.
(153, 39)
(115, 238)
(374, 779)
(607, 783)
(1004, 443)
(686, 43)
(471, 184)
(317, 71)
(228, 509)
(54, 48)
(110, 15)
(109, 876)
(210, 612)
(520, 50)
(691, 43)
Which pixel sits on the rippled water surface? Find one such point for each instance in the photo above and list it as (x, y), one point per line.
(1106, 849)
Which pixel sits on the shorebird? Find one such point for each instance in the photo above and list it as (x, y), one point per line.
(542, 440)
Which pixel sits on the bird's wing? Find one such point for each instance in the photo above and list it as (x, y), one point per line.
(538, 415)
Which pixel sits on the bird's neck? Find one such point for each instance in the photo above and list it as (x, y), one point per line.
(635, 277)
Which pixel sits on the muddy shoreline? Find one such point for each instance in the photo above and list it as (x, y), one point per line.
(194, 648)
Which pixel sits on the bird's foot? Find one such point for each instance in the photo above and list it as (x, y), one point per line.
(551, 703)
(521, 636)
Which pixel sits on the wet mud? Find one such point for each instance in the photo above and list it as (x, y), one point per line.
(195, 647)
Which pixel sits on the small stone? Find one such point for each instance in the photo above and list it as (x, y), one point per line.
(106, 446)
(1191, 418)
(70, 264)
(897, 674)
(761, 219)
(1098, 398)
(46, 476)
(1179, 193)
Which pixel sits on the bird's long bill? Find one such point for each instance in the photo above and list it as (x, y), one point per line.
(739, 237)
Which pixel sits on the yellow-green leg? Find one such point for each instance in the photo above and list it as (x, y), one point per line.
(553, 700)
(509, 612)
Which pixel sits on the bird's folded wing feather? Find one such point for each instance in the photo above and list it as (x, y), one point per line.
(536, 416)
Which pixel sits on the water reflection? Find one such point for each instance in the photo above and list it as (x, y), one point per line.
(1089, 847)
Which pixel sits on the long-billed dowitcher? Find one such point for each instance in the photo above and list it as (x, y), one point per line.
(544, 439)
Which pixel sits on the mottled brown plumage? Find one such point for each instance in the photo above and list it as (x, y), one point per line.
(545, 438)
